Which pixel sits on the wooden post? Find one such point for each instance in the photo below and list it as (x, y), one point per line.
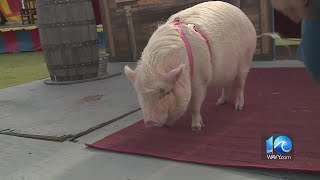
(237, 3)
(265, 25)
(234, 2)
(131, 33)
(107, 26)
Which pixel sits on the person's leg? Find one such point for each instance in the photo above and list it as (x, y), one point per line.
(309, 50)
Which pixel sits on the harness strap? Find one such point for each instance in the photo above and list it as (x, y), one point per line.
(206, 39)
(187, 43)
(177, 22)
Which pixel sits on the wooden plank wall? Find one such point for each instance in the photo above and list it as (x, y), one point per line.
(252, 9)
(258, 12)
(146, 22)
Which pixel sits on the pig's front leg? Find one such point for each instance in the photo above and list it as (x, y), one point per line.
(198, 96)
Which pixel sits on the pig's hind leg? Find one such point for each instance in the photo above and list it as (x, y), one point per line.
(242, 77)
(225, 96)
(240, 85)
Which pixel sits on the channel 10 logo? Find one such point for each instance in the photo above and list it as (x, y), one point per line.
(279, 147)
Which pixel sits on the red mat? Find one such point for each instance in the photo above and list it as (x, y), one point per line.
(278, 100)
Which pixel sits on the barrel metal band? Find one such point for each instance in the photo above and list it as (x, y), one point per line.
(73, 78)
(66, 24)
(54, 67)
(71, 45)
(57, 2)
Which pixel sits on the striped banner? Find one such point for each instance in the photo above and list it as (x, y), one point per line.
(20, 41)
(27, 39)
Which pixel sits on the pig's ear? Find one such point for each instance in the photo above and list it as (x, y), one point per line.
(131, 74)
(173, 75)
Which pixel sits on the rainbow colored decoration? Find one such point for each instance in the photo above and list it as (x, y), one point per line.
(19, 40)
(27, 39)
(11, 9)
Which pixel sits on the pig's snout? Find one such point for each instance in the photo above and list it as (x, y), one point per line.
(152, 124)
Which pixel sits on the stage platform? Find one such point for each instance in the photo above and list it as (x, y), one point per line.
(15, 37)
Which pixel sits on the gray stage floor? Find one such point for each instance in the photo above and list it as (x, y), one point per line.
(61, 112)
(32, 159)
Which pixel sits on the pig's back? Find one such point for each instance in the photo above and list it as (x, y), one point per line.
(217, 19)
(231, 36)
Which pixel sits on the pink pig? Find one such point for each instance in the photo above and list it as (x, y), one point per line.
(174, 71)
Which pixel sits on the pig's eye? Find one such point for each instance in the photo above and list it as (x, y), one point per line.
(162, 91)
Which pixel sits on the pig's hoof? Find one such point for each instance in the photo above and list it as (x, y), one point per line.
(239, 105)
(196, 127)
(222, 101)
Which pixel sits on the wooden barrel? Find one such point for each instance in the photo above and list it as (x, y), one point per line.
(69, 40)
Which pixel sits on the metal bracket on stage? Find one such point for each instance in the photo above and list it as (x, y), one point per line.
(72, 45)
(52, 67)
(42, 3)
(66, 24)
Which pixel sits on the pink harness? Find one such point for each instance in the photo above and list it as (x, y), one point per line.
(177, 22)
